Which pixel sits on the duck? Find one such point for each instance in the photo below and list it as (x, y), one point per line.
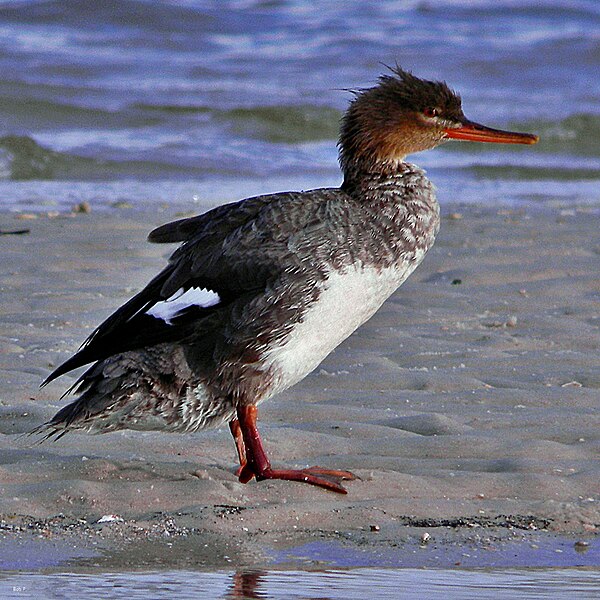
(261, 290)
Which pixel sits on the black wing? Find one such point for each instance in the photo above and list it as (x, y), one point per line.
(230, 251)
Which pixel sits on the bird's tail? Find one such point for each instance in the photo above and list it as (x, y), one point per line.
(103, 386)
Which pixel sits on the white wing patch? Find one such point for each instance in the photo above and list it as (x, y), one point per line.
(171, 307)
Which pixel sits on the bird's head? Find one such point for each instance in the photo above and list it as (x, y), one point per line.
(403, 114)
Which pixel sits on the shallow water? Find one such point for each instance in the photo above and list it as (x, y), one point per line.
(556, 568)
(433, 584)
(201, 101)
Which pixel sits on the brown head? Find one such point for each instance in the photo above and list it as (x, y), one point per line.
(404, 114)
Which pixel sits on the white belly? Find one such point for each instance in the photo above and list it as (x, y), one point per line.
(348, 300)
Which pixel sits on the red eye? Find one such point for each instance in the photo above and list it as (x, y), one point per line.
(431, 112)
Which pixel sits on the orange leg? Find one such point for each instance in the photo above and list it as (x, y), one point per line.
(257, 464)
(236, 432)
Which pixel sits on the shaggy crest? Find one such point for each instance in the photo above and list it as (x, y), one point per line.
(380, 127)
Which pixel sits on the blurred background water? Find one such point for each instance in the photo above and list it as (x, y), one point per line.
(194, 102)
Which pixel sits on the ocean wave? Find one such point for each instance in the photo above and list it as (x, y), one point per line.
(170, 109)
(577, 134)
(275, 124)
(285, 124)
(22, 159)
(24, 112)
(539, 173)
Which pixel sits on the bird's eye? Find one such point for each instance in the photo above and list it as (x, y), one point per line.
(431, 112)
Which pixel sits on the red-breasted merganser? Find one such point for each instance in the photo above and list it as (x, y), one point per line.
(262, 290)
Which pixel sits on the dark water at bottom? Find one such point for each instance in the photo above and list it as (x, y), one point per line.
(533, 567)
(432, 584)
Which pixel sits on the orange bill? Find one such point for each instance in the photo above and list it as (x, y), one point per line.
(474, 132)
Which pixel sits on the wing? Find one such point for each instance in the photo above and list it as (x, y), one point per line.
(228, 252)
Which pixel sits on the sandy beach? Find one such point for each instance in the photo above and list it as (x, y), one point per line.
(468, 404)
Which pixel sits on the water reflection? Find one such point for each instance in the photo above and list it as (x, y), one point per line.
(246, 584)
(434, 584)
(333, 584)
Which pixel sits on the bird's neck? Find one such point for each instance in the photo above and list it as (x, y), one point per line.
(393, 191)
(374, 179)
(398, 208)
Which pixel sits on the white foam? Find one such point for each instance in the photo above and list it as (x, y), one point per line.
(168, 309)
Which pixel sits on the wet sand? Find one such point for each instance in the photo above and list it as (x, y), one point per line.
(467, 406)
